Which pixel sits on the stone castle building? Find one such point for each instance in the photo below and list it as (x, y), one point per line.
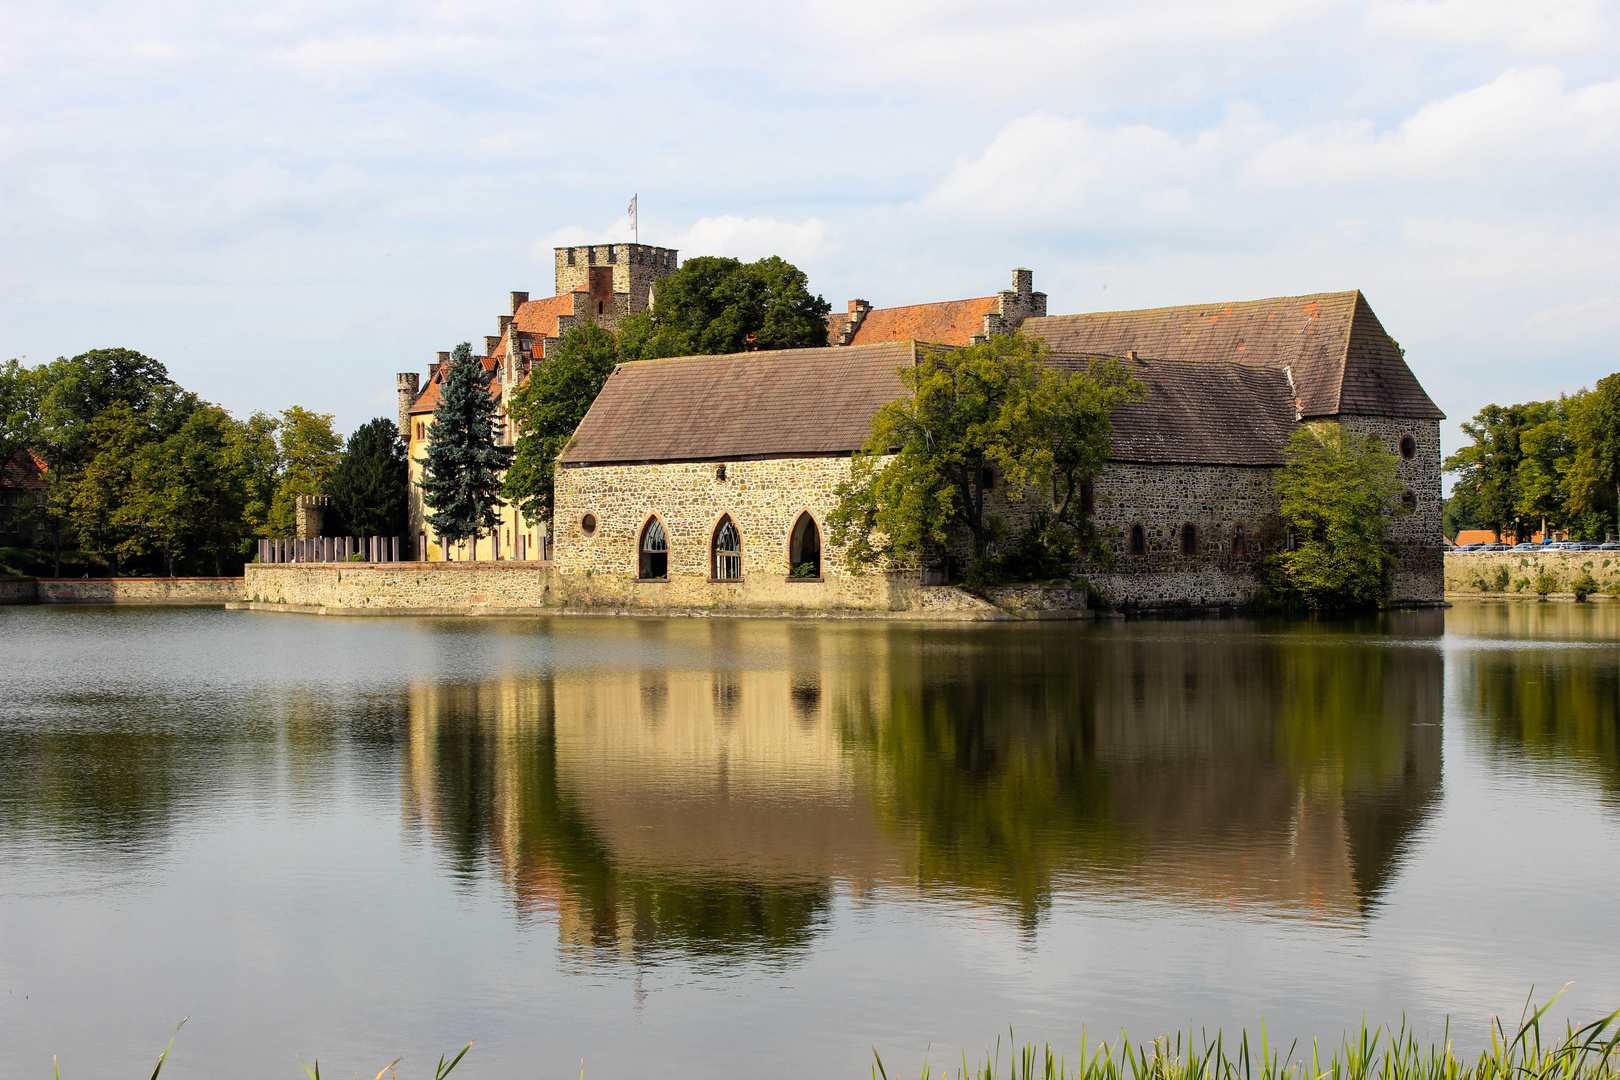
(707, 481)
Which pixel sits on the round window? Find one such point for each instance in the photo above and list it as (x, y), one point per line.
(587, 524)
(1408, 447)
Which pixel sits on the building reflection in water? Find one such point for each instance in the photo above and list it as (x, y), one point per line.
(712, 797)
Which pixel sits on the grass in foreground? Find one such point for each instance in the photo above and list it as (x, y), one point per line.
(1587, 1053)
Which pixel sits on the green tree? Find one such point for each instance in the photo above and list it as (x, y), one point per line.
(1595, 471)
(20, 427)
(718, 305)
(1543, 473)
(309, 450)
(188, 493)
(462, 481)
(1334, 495)
(547, 408)
(370, 484)
(1460, 511)
(1070, 423)
(252, 451)
(925, 472)
(1488, 467)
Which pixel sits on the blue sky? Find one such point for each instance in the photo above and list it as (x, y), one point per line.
(288, 202)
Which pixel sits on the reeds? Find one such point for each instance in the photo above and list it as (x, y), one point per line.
(1587, 1053)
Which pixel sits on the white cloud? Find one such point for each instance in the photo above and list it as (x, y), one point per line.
(1536, 26)
(1523, 122)
(750, 238)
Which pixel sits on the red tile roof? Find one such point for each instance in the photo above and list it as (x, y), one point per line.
(540, 316)
(786, 403)
(26, 469)
(950, 322)
(1340, 359)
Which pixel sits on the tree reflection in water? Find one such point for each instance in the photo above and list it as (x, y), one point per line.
(713, 801)
(1542, 682)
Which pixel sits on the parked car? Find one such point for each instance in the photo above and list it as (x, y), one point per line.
(1610, 546)
(1526, 547)
(1464, 549)
(1496, 547)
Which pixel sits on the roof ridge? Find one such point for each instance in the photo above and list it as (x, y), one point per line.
(1212, 303)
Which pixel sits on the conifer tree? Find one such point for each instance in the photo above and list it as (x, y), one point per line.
(463, 463)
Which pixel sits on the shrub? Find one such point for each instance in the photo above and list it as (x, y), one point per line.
(1583, 586)
(1503, 577)
(1545, 582)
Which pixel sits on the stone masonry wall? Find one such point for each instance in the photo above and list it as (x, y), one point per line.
(203, 590)
(1514, 573)
(763, 498)
(1214, 499)
(394, 586)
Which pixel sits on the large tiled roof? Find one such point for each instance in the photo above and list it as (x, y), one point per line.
(1341, 360)
(1199, 413)
(951, 322)
(786, 403)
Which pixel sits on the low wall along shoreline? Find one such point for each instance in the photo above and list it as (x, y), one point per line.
(489, 588)
(196, 590)
(1517, 573)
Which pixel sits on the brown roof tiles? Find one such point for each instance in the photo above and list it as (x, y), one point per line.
(1340, 358)
(787, 403)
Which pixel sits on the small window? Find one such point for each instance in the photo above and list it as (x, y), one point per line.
(1408, 447)
(1408, 501)
(1189, 539)
(654, 564)
(987, 478)
(600, 307)
(1138, 541)
(727, 552)
(1240, 545)
(720, 472)
(804, 548)
(587, 524)
(1088, 498)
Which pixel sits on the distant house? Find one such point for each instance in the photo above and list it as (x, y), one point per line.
(22, 481)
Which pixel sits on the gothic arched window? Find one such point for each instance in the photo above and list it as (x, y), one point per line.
(654, 550)
(727, 551)
(1240, 544)
(1138, 541)
(804, 547)
(1189, 539)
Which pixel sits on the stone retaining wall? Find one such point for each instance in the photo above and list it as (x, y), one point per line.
(1482, 574)
(207, 590)
(519, 586)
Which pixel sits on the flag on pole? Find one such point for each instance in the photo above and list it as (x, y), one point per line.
(634, 228)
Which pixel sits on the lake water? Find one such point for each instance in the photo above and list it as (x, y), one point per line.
(701, 848)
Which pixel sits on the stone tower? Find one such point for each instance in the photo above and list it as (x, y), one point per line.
(409, 385)
(618, 277)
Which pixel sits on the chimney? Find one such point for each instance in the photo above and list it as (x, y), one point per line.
(409, 384)
(505, 321)
(491, 343)
(518, 300)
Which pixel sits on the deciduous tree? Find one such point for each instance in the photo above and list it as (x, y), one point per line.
(718, 305)
(309, 450)
(1334, 494)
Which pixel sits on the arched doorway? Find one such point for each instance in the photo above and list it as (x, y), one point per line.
(726, 564)
(654, 551)
(804, 548)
